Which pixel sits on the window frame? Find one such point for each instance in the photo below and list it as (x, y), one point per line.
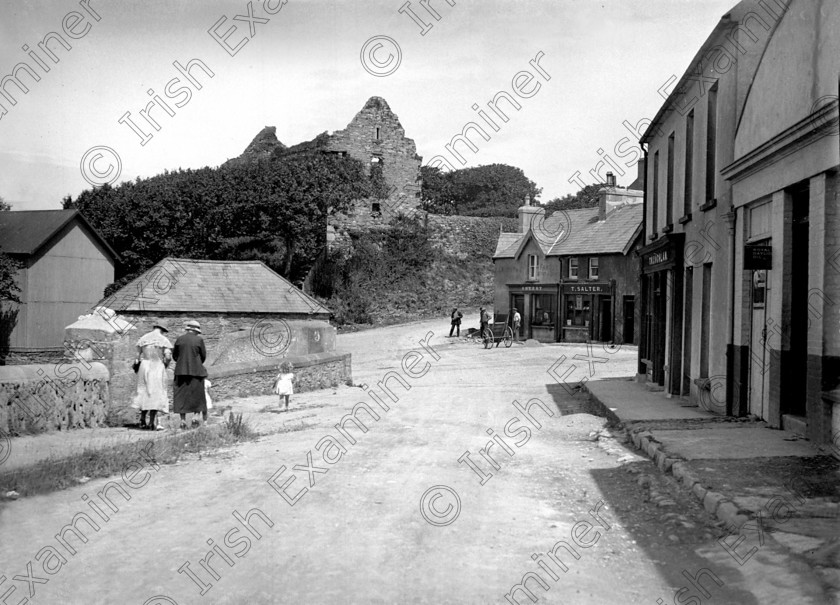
(576, 274)
(596, 266)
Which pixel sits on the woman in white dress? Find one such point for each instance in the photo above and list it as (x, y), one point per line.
(154, 352)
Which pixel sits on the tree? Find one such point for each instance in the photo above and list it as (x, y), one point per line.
(9, 268)
(585, 198)
(273, 209)
(492, 190)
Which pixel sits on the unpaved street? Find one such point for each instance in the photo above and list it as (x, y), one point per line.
(385, 513)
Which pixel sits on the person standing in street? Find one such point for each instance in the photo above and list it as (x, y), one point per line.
(189, 354)
(517, 321)
(456, 322)
(154, 352)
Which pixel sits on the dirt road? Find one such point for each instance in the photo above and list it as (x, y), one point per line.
(377, 508)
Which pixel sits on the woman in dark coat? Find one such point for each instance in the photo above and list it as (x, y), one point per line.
(189, 354)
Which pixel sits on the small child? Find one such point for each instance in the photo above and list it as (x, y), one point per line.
(283, 382)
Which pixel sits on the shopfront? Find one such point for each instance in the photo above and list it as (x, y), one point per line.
(662, 312)
(537, 303)
(587, 312)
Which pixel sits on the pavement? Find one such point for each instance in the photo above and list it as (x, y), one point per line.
(763, 484)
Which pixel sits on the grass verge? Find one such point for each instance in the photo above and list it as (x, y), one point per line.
(60, 473)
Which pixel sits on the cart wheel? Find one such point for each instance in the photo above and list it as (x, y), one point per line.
(508, 337)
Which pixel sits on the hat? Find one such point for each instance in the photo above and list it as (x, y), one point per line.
(193, 325)
(162, 327)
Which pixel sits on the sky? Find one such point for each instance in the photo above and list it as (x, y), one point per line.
(299, 65)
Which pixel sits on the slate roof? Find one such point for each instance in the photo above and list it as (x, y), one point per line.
(614, 235)
(27, 231)
(211, 286)
(578, 231)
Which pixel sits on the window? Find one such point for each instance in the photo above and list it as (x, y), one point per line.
(689, 163)
(655, 206)
(711, 145)
(533, 266)
(669, 193)
(375, 208)
(578, 310)
(593, 268)
(543, 314)
(377, 133)
(573, 268)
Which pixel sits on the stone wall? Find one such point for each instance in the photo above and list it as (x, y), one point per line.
(33, 356)
(49, 397)
(312, 372)
(467, 236)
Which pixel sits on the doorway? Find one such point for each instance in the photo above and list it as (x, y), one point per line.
(605, 328)
(628, 335)
(689, 296)
(759, 351)
(518, 302)
(794, 393)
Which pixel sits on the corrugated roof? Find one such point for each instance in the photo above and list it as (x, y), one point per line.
(26, 231)
(211, 286)
(613, 235)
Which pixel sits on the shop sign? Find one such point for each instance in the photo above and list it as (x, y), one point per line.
(587, 289)
(534, 288)
(660, 257)
(758, 258)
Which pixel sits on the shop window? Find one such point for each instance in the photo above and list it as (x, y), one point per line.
(533, 266)
(573, 268)
(543, 314)
(593, 268)
(578, 310)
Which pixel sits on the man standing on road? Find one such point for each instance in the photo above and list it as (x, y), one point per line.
(189, 353)
(517, 320)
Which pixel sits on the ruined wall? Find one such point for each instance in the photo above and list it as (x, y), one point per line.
(376, 138)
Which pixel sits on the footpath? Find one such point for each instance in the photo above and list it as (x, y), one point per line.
(761, 483)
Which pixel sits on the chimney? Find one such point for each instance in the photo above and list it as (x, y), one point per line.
(528, 215)
(639, 183)
(610, 179)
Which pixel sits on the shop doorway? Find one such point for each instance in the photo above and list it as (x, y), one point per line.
(518, 302)
(689, 297)
(793, 400)
(628, 332)
(605, 329)
(759, 351)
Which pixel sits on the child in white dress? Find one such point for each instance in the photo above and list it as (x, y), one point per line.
(283, 382)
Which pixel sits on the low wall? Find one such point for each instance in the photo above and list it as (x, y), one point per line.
(34, 356)
(312, 372)
(49, 397)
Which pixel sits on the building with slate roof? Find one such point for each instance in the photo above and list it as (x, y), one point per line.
(573, 276)
(66, 267)
(224, 296)
(251, 320)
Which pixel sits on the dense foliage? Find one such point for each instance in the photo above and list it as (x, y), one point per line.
(493, 190)
(273, 210)
(585, 198)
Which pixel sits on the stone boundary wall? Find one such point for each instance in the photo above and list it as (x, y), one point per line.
(34, 356)
(459, 236)
(250, 378)
(50, 397)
